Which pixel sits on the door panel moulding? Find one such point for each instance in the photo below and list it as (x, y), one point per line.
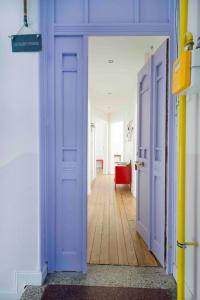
(135, 30)
(50, 30)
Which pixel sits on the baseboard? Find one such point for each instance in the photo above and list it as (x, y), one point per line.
(44, 272)
(89, 192)
(24, 278)
(133, 191)
(9, 296)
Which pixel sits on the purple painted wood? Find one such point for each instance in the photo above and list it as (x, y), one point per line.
(159, 134)
(172, 151)
(69, 12)
(151, 176)
(43, 141)
(77, 18)
(158, 12)
(143, 197)
(112, 12)
(47, 139)
(69, 152)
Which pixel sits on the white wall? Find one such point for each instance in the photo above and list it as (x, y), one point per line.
(192, 195)
(102, 138)
(115, 117)
(131, 146)
(19, 151)
(193, 180)
(100, 119)
(193, 177)
(102, 130)
(90, 160)
(116, 142)
(129, 113)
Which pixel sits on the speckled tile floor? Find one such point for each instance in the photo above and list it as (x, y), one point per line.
(101, 275)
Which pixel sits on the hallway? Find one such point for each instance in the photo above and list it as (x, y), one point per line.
(112, 237)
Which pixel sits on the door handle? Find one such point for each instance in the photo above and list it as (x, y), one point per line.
(139, 164)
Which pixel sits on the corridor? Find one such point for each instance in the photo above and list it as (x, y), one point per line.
(112, 236)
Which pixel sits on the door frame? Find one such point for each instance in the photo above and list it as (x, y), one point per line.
(47, 117)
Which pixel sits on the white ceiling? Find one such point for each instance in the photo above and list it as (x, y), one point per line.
(113, 86)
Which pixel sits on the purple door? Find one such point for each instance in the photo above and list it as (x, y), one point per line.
(151, 152)
(159, 79)
(69, 153)
(144, 153)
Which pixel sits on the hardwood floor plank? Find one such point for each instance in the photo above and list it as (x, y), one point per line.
(113, 251)
(104, 253)
(132, 259)
(144, 256)
(92, 215)
(112, 236)
(138, 247)
(122, 253)
(128, 201)
(98, 224)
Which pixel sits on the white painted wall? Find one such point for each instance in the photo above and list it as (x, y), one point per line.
(193, 177)
(19, 152)
(116, 142)
(102, 136)
(100, 119)
(92, 153)
(115, 117)
(192, 196)
(129, 154)
(192, 271)
(131, 146)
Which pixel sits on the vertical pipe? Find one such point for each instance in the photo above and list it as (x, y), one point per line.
(181, 196)
(182, 163)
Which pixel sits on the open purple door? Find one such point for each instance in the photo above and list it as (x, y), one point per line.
(151, 152)
(144, 153)
(159, 131)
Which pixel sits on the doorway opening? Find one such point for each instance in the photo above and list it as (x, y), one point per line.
(127, 108)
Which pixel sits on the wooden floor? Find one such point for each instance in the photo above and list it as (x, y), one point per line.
(112, 236)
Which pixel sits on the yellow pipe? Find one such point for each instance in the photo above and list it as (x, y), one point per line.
(181, 164)
(181, 197)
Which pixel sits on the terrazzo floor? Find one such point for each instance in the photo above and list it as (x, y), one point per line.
(101, 275)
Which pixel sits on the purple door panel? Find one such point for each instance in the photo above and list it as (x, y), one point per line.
(68, 110)
(151, 157)
(158, 152)
(144, 153)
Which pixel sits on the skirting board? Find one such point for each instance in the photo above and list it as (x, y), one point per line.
(9, 296)
(25, 278)
(188, 294)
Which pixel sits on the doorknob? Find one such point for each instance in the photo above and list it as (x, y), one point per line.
(139, 164)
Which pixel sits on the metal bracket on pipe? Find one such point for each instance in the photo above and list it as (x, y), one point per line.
(189, 41)
(184, 245)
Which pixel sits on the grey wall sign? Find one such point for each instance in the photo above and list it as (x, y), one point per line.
(26, 42)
